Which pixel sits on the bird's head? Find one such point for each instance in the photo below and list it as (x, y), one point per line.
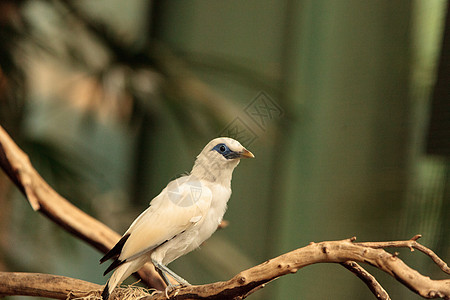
(220, 156)
(226, 149)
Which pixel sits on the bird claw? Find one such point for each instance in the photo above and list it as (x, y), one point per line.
(171, 288)
(175, 287)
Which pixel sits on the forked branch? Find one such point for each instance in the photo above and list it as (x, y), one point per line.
(343, 252)
(246, 282)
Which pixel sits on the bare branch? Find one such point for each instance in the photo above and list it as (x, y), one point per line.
(411, 244)
(45, 200)
(368, 279)
(246, 282)
(324, 252)
(44, 285)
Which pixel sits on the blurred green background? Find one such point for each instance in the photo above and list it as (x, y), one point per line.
(112, 99)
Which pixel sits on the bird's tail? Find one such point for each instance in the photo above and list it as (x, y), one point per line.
(119, 275)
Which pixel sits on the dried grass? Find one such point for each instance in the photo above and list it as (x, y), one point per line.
(130, 292)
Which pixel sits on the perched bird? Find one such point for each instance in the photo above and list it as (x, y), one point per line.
(180, 218)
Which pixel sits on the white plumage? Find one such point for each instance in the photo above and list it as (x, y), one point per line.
(181, 217)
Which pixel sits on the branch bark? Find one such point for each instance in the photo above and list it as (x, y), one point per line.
(368, 279)
(44, 285)
(47, 201)
(325, 252)
(411, 244)
(246, 282)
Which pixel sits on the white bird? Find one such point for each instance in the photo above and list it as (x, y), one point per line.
(180, 218)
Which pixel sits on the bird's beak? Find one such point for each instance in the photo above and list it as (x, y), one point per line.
(246, 154)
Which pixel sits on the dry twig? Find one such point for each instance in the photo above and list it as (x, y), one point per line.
(324, 252)
(368, 279)
(411, 244)
(44, 285)
(246, 282)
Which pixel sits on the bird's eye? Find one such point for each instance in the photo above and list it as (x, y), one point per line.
(222, 148)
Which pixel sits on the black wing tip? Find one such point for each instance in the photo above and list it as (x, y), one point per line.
(114, 265)
(116, 250)
(105, 293)
(104, 258)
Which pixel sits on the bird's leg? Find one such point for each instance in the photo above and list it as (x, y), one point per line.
(175, 276)
(163, 275)
(162, 270)
(169, 285)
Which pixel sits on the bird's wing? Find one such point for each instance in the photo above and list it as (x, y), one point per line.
(182, 204)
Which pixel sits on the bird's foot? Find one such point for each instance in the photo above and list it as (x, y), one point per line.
(175, 287)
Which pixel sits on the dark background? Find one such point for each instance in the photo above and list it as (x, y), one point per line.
(345, 105)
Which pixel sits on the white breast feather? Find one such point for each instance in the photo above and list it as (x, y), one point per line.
(165, 219)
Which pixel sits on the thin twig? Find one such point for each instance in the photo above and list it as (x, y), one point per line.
(371, 282)
(411, 244)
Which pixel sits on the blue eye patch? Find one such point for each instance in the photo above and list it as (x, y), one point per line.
(225, 151)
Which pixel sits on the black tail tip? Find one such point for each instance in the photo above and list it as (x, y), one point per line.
(105, 293)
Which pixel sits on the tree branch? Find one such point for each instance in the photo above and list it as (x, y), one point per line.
(246, 282)
(368, 279)
(411, 244)
(325, 252)
(44, 285)
(45, 200)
